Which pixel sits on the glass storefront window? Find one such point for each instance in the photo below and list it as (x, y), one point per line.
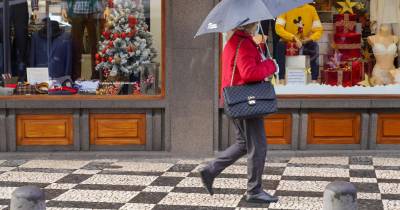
(84, 47)
(340, 59)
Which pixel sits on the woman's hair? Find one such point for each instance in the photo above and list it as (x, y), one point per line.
(247, 27)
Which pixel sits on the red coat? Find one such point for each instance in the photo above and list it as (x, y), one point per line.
(250, 68)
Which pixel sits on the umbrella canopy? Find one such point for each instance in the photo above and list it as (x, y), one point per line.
(229, 14)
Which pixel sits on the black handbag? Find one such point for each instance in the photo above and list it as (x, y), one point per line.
(250, 100)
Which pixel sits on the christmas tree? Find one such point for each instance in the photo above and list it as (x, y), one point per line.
(126, 43)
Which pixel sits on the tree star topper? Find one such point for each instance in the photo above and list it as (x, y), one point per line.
(347, 6)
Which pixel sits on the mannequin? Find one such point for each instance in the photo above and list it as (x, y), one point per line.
(84, 14)
(18, 19)
(301, 25)
(384, 45)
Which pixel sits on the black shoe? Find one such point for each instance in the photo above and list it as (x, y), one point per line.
(262, 197)
(207, 180)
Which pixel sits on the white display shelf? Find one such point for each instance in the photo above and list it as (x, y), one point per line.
(315, 89)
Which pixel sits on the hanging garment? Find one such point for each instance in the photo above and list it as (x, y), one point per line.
(59, 60)
(385, 12)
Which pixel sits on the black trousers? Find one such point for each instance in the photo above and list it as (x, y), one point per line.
(19, 19)
(250, 140)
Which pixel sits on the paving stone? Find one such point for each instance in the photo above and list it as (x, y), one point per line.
(175, 184)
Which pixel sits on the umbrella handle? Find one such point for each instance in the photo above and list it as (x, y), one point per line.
(268, 51)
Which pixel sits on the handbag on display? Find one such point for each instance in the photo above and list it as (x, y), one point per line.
(250, 100)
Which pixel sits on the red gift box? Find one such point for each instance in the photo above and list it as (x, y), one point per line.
(338, 77)
(357, 70)
(292, 49)
(349, 45)
(345, 23)
(351, 39)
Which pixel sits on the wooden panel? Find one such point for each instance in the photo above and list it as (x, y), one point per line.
(388, 129)
(45, 130)
(118, 129)
(334, 128)
(278, 128)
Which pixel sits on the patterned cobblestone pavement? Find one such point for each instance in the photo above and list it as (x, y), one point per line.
(174, 184)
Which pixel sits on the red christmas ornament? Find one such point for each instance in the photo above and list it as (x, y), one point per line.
(106, 35)
(111, 44)
(104, 59)
(123, 35)
(132, 20)
(104, 51)
(116, 36)
(97, 56)
(110, 59)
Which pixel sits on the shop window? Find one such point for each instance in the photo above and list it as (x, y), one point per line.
(83, 47)
(341, 59)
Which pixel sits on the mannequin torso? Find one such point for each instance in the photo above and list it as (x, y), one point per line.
(384, 45)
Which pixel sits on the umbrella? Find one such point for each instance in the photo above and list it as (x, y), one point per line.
(229, 14)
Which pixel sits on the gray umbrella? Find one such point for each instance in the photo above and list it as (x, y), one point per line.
(229, 14)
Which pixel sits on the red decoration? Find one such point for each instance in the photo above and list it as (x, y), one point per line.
(123, 35)
(106, 72)
(111, 44)
(97, 56)
(110, 59)
(132, 21)
(104, 59)
(110, 3)
(349, 44)
(338, 76)
(104, 51)
(98, 62)
(106, 35)
(292, 49)
(116, 36)
(345, 23)
(357, 68)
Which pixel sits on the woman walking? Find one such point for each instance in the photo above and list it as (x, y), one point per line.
(251, 67)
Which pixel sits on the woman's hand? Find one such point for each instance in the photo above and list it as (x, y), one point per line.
(260, 39)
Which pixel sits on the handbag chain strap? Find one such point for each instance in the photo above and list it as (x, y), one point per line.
(235, 61)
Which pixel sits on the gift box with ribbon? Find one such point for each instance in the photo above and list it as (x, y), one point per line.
(292, 49)
(338, 77)
(357, 71)
(349, 45)
(345, 23)
(337, 72)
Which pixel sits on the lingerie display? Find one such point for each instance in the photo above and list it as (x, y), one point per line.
(381, 76)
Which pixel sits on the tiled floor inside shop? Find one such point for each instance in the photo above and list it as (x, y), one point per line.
(174, 184)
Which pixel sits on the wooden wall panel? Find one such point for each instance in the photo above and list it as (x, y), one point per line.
(118, 129)
(388, 129)
(278, 128)
(334, 128)
(44, 130)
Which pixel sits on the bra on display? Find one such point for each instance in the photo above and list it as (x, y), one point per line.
(381, 49)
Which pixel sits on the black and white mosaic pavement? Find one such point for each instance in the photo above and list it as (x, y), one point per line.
(173, 184)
